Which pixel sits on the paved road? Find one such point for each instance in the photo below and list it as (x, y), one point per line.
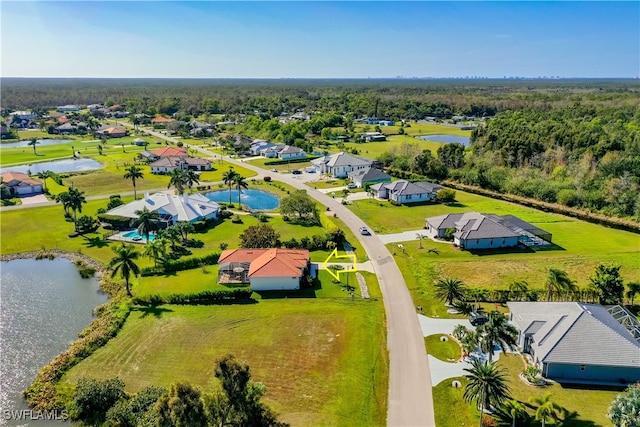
(410, 397)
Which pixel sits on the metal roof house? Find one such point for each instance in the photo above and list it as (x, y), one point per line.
(368, 176)
(404, 192)
(340, 164)
(579, 343)
(474, 230)
(291, 152)
(171, 208)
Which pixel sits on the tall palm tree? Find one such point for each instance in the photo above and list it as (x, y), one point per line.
(75, 200)
(545, 408)
(518, 289)
(178, 178)
(32, 143)
(156, 250)
(497, 332)
(63, 198)
(240, 183)
(558, 281)
(634, 289)
(135, 120)
(133, 173)
(229, 178)
(191, 178)
(185, 227)
(146, 222)
(487, 386)
(43, 176)
(449, 289)
(469, 342)
(124, 263)
(173, 235)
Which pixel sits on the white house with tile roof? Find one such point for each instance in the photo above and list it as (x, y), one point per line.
(575, 342)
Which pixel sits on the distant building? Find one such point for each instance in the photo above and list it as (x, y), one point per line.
(108, 131)
(406, 192)
(373, 136)
(368, 176)
(67, 128)
(23, 115)
(386, 123)
(290, 152)
(68, 108)
(168, 164)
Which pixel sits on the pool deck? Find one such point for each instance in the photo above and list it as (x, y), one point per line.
(120, 237)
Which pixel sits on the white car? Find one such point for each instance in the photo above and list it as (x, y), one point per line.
(364, 231)
(351, 185)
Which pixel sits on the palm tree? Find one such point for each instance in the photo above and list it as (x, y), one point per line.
(487, 386)
(43, 176)
(459, 331)
(136, 121)
(634, 289)
(229, 178)
(146, 222)
(178, 178)
(240, 183)
(512, 413)
(545, 408)
(124, 263)
(449, 289)
(518, 289)
(497, 332)
(64, 199)
(191, 178)
(32, 144)
(156, 249)
(558, 281)
(469, 342)
(133, 172)
(185, 227)
(173, 235)
(75, 200)
(464, 308)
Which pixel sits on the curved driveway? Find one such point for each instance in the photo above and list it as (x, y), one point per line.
(410, 398)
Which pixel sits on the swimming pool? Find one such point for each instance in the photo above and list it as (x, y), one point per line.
(134, 235)
(254, 199)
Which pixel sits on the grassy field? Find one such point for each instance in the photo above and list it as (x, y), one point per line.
(308, 352)
(447, 351)
(280, 168)
(448, 400)
(579, 247)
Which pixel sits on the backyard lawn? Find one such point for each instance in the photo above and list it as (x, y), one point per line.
(322, 359)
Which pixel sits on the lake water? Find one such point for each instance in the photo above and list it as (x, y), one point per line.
(254, 199)
(57, 166)
(41, 142)
(45, 304)
(448, 139)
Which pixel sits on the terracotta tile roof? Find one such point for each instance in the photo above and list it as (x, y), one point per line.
(269, 262)
(17, 179)
(62, 119)
(170, 152)
(162, 120)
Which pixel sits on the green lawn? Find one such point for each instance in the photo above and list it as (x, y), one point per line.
(449, 400)
(280, 168)
(580, 246)
(323, 360)
(447, 351)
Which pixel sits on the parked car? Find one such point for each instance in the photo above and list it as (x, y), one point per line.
(351, 185)
(274, 170)
(364, 231)
(297, 172)
(478, 319)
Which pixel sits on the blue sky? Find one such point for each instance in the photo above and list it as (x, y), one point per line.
(320, 39)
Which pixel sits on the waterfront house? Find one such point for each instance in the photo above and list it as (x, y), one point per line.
(20, 184)
(264, 269)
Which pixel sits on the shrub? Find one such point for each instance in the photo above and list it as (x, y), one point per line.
(262, 217)
(267, 178)
(116, 222)
(198, 298)
(236, 219)
(532, 374)
(225, 214)
(92, 399)
(179, 265)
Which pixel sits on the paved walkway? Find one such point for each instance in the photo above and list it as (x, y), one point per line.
(405, 236)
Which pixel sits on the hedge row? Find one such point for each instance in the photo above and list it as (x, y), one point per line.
(198, 298)
(182, 264)
(41, 394)
(116, 222)
(284, 162)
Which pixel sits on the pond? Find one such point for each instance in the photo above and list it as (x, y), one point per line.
(57, 166)
(45, 304)
(254, 199)
(448, 139)
(41, 143)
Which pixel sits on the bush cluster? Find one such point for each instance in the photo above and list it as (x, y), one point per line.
(198, 298)
(182, 264)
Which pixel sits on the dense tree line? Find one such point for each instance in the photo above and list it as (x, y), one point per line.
(393, 99)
